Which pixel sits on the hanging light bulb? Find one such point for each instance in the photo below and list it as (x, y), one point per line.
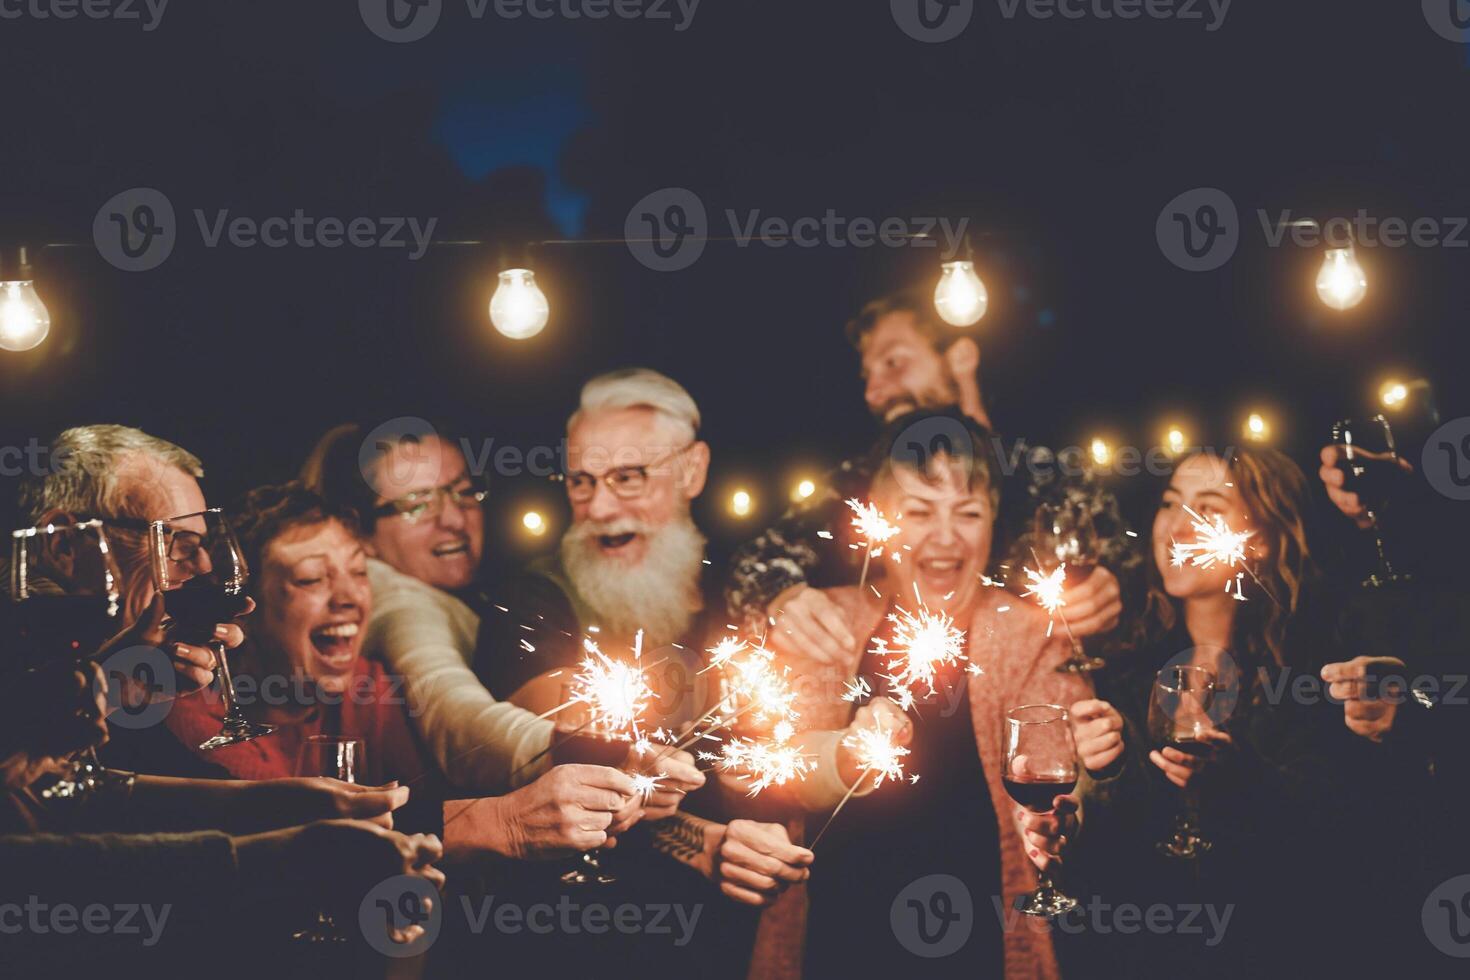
(518, 309)
(960, 298)
(1341, 283)
(1102, 453)
(1256, 428)
(24, 319)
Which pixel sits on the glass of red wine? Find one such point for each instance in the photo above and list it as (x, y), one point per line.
(581, 740)
(1063, 534)
(340, 757)
(199, 568)
(1040, 765)
(1179, 718)
(1371, 469)
(65, 602)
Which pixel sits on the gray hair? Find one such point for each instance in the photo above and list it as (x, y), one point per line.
(85, 464)
(640, 388)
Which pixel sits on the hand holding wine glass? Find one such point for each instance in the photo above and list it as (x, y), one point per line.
(1367, 473)
(341, 758)
(1063, 536)
(198, 566)
(1040, 774)
(1179, 721)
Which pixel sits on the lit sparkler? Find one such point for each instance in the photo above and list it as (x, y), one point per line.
(879, 756)
(615, 693)
(874, 529)
(1215, 543)
(922, 643)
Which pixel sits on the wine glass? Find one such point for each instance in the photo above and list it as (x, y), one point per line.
(581, 739)
(1063, 534)
(1370, 468)
(340, 757)
(1179, 718)
(199, 568)
(66, 601)
(1040, 765)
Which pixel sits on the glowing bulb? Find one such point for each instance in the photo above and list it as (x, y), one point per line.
(1256, 428)
(24, 319)
(1175, 440)
(804, 489)
(740, 503)
(1340, 283)
(518, 309)
(1394, 393)
(1101, 452)
(534, 522)
(960, 298)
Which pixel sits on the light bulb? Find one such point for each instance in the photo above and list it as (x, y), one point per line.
(1175, 438)
(1394, 393)
(804, 489)
(960, 298)
(740, 503)
(518, 309)
(1340, 283)
(534, 522)
(24, 319)
(1256, 428)
(1101, 452)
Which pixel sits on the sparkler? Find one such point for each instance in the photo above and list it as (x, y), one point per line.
(875, 751)
(1216, 544)
(761, 762)
(615, 693)
(1047, 590)
(922, 643)
(874, 528)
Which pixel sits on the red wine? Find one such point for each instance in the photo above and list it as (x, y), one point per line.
(1036, 795)
(45, 627)
(197, 609)
(1373, 480)
(1196, 747)
(591, 750)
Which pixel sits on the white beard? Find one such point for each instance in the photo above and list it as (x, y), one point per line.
(659, 595)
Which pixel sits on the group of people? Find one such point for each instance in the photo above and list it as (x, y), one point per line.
(1312, 815)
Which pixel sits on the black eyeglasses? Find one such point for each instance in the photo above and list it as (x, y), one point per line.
(428, 504)
(625, 482)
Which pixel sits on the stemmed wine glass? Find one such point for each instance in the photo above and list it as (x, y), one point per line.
(1370, 469)
(66, 597)
(1179, 718)
(340, 757)
(581, 739)
(1064, 534)
(1040, 765)
(199, 568)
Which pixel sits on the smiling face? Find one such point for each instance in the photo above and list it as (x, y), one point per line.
(1205, 485)
(902, 369)
(443, 550)
(945, 533)
(630, 444)
(314, 600)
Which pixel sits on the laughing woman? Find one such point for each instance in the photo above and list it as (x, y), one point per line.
(300, 667)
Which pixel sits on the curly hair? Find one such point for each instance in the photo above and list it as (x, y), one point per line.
(262, 515)
(1276, 495)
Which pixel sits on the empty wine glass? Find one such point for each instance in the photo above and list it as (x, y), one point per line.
(199, 568)
(1370, 468)
(1040, 765)
(581, 740)
(340, 757)
(65, 593)
(1179, 718)
(1063, 534)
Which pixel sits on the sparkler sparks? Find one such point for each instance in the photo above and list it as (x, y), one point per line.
(921, 645)
(615, 693)
(644, 784)
(761, 762)
(870, 522)
(1214, 544)
(1047, 588)
(875, 751)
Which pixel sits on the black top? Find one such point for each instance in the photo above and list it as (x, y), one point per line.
(860, 921)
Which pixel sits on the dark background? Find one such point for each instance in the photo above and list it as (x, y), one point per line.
(1059, 140)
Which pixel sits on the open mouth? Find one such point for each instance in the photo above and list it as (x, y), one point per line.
(615, 542)
(336, 644)
(451, 549)
(942, 574)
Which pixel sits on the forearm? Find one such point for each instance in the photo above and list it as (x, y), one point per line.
(477, 831)
(690, 840)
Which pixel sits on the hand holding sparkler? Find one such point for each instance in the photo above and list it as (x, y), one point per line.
(755, 862)
(875, 750)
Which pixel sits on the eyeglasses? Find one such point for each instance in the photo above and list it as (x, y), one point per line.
(428, 504)
(625, 482)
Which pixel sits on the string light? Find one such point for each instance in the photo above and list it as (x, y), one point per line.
(519, 308)
(534, 522)
(24, 319)
(960, 298)
(1175, 440)
(1101, 451)
(803, 490)
(740, 503)
(1340, 282)
(1256, 428)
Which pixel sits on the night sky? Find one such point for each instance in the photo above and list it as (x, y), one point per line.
(1060, 140)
